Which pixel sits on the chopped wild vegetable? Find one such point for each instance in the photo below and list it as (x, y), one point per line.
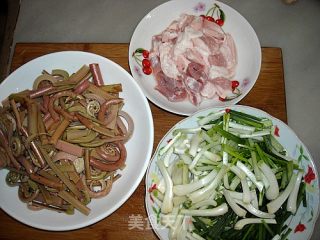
(230, 176)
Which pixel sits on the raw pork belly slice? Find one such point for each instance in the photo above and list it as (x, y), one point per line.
(193, 88)
(193, 59)
(211, 29)
(223, 86)
(217, 60)
(196, 71)
(171, 88)
(209, 90)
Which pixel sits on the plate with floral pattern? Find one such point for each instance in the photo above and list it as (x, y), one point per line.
(300, 225)
(248, 52)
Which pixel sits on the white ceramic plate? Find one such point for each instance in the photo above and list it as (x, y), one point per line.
(247, 43)
(302, 224)
(137, 161)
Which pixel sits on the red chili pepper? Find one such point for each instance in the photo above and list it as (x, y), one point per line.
(222, 99)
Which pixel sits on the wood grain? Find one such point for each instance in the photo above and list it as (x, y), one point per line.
(268, 94)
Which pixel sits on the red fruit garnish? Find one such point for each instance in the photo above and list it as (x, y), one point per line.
(210, 19)
(145, 53)
(234, 84)
(220, 22)
(228, 110)
(146, 63)
(222, 99)
(147, 70)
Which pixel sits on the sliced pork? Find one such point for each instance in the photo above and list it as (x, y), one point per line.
(172, 89)
(193, 59)
(223, 86)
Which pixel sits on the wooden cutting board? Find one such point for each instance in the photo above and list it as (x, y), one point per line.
(130, 221)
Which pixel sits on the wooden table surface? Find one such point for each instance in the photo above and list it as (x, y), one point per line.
(268, 94)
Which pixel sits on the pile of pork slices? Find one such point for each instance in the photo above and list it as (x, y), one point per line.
(193, 59)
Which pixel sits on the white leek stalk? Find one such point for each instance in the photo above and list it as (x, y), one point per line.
(241, 127)
(182, 234)
(167, 204)
(256, 169)
(240, 174)
(254, 198)
(292, 200)
(226, 181)
(274, 205)
(181, 190)
(234, 183)
(272, 191)
(265, 181)
(168, 220)
(173, 140)
(177, 200)
(198, 195)
(246, 191)
(212, 156)
(167, 157)
(212, 212)
(255, 134)
(198, 156)
(256, 212)
(250, 175)
(194, 144)
(207, 138)
(211, 117)
(238, 210)
(186, 158)
(205, 203)
(176, 227)
(188, 224)
(241, 223)
(161, 186)
(276, 237)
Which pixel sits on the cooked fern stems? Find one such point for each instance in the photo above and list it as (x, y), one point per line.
(63, 142)
(227, 178)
